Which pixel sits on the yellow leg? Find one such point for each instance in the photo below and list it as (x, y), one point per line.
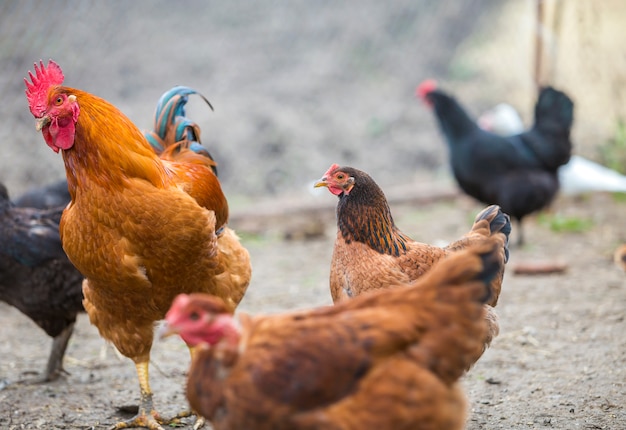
(147, 417)
(144, 380)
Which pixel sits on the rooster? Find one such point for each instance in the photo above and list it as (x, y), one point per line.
(371, 253)
(518, 172)
(142, 229)
(391, 359)
(171, 130)
(37, 278)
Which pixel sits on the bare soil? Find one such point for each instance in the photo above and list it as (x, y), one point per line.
(559, 361)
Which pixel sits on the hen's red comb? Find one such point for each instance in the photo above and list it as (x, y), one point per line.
(330, 170)
(429, 85)
(37, 91)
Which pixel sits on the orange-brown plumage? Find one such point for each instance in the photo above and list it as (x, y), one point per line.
(141, 229)
(389, 359)
(193, 172)
(372, 253)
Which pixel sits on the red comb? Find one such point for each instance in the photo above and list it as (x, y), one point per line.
(37, 91)
(330, 170)
(425, 87)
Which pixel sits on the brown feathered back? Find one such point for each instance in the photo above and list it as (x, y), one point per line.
(389, 359)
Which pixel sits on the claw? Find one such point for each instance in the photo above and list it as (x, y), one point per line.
(200, 422)
(141, 420)
(147, 417)
(152, 421)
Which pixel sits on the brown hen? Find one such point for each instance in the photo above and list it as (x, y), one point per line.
(371, 253)
(386, 360)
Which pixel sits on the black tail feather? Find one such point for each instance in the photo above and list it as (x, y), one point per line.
(500, 223)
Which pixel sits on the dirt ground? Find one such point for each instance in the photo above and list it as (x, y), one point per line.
(559, 361)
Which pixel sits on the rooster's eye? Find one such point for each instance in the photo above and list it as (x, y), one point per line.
(194, 316)
(58, 100)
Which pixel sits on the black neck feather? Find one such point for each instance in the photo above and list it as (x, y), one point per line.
(453, 119)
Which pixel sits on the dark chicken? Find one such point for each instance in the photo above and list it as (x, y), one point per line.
(519, 172)
(53, 195)
(36, 276)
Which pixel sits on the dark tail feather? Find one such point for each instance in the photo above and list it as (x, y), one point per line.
(172, 127)
(499, 222)
(555, 107)
(171, 105)
(462, 266)
(492, 267)
(549, 139)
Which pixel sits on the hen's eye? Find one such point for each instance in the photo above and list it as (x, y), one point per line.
(340, 176)
(194, 316)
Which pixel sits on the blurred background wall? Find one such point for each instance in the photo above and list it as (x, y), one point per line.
(300, 85)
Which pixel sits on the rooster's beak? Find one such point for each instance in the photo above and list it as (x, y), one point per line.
(321, 183)
(42, 122)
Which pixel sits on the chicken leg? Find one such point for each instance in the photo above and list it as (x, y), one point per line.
(54, 368)
(147, 417)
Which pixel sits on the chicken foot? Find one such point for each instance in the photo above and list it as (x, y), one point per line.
(147, 417)
(54, 368)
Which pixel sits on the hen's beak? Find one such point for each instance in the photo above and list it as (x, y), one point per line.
(321, 183)
(42, 122)
(166, 330)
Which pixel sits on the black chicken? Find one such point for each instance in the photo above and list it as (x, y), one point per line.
(518, 173)
(46, 197)
(36, 276)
